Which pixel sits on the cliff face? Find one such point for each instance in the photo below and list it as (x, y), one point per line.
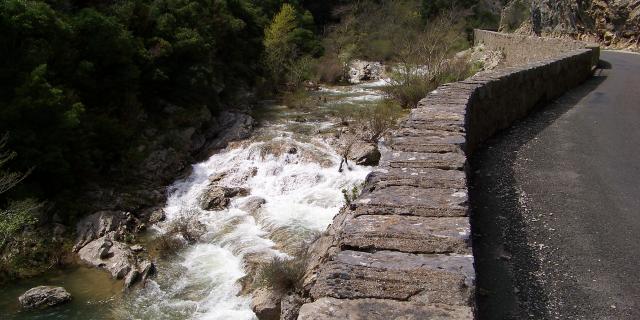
(612, 23)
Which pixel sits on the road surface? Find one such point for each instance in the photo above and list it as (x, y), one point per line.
(556, 205)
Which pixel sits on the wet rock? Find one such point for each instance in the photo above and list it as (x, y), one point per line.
(252, 204)
(131, 278)
(147, 269)
(360, 70)
(137, 248)
(157, 215)
(217, 198)
(43, 297)
(365, 154)
(99, 224)
(230, 126)
(265, 304)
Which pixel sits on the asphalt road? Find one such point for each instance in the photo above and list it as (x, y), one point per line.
(556, 205)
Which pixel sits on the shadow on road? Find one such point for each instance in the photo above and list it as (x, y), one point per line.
(505, 261)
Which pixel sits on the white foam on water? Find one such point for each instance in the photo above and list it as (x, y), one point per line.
(301, 191)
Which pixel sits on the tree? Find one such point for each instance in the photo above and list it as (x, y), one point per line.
(289, 43)
(18, 214)
(279, 47)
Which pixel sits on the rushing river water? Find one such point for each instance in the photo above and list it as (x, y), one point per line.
(288, 162)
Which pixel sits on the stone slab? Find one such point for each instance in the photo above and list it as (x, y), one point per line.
(403, 159)
(417, 177)
(408, 234)
(377, 309)
(413, 201)
(429, 279)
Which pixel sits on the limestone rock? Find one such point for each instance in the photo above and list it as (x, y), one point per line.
(230, 126)
(253, 204)
(113, 256)
(265, 304)
(360, 70)
(366, 154)
(217, 198)
(99, 224)
(44, 296)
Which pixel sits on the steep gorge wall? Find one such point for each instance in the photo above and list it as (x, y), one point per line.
(403, 249)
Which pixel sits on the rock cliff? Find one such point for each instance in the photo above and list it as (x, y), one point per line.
(613, 23)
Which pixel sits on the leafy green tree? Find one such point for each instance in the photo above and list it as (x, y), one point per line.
(288, 42)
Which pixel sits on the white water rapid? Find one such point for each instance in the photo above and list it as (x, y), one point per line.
(297, 175)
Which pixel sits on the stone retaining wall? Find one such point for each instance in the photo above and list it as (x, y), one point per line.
(521, 49)
(402, 249)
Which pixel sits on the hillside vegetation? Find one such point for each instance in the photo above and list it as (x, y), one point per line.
(88, 89)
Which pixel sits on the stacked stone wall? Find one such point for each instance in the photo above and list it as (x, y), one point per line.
(403, 249)
(520, 50)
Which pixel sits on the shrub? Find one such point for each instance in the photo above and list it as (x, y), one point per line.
(376, 119)
(409, 90)
(331, 70)
(285, 274)
(297, 99)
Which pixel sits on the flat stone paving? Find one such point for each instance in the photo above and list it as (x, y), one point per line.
(402, 250)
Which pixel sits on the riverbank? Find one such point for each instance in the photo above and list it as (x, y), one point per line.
(290, 162)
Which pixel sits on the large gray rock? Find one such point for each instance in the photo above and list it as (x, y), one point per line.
(252, 205)
(116, 258)
(99, 224)
(217, 198)
(110, 255)
(360, 71)
(230, 126)
(265, 304)
(44, 296)
(365, 154)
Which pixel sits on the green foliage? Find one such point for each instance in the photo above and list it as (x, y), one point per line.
(81, 83)
(376, 119)
(351, 195)
(290, 45)
(16, 215)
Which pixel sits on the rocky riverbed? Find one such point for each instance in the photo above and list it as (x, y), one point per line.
(258, 198)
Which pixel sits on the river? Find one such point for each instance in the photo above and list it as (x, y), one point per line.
(288, 162)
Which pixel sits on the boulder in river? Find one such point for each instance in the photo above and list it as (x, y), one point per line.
(265, 304)
(217, 198)
(252, 204)
(365, 154)
(43, 297)
(118, 259)
(360, 70)
(99, 224)
(113, 256)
